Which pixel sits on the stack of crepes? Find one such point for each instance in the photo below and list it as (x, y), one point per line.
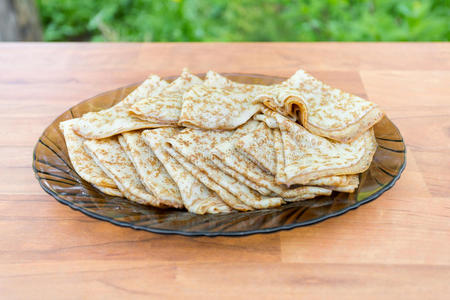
(216, 146)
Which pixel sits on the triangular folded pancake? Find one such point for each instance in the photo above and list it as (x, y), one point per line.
(308, 157)
(199, 157)
(242, 130)
(223, 193)
(165, 108)
(109, 155)
(259, 146)
(323, 110)
(151, 172)
(343, 183)
(219, 103)
(340, 183)
(225, 166)
(117, 119)
(191, 147)
(197, 198)
(108, 190)
(232, 162)
(83, 164)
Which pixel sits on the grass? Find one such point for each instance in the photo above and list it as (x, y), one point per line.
(245, 20)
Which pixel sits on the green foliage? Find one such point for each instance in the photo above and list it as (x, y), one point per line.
(245, 20)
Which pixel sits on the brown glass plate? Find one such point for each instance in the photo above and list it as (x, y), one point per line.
(57, 177)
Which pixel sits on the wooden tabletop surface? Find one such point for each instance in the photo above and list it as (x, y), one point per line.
(397, 246)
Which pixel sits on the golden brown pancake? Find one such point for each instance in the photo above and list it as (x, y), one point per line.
(260, 146)
(109, 155)
(83, 164)
(191, 147)
(165, 108)
(308, 157)
(117, 119)
(238, 166)
(219, 103)
(151, 172)
(108, 190)
(323, 110)
(197, 198)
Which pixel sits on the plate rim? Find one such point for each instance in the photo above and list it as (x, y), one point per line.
(208, 233)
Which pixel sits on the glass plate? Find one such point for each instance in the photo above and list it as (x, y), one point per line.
(57, 177)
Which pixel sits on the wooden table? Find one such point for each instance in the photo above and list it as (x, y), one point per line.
(395, 247)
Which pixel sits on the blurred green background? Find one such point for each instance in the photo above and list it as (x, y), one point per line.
(245, 20)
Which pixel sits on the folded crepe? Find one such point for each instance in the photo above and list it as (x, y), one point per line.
(343, 183)
(83, 164)
(109, 155)
(242, 130)
(151, 172)
(197, 198)
(224, 164)
(323, 110)
(117, 119)
(259, 146)
(165, 108)
(191, 148)
(308, 157)
(108, 190)
(219, 103)
(238, 166)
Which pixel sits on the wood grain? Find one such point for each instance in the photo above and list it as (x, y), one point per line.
(395, 247)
